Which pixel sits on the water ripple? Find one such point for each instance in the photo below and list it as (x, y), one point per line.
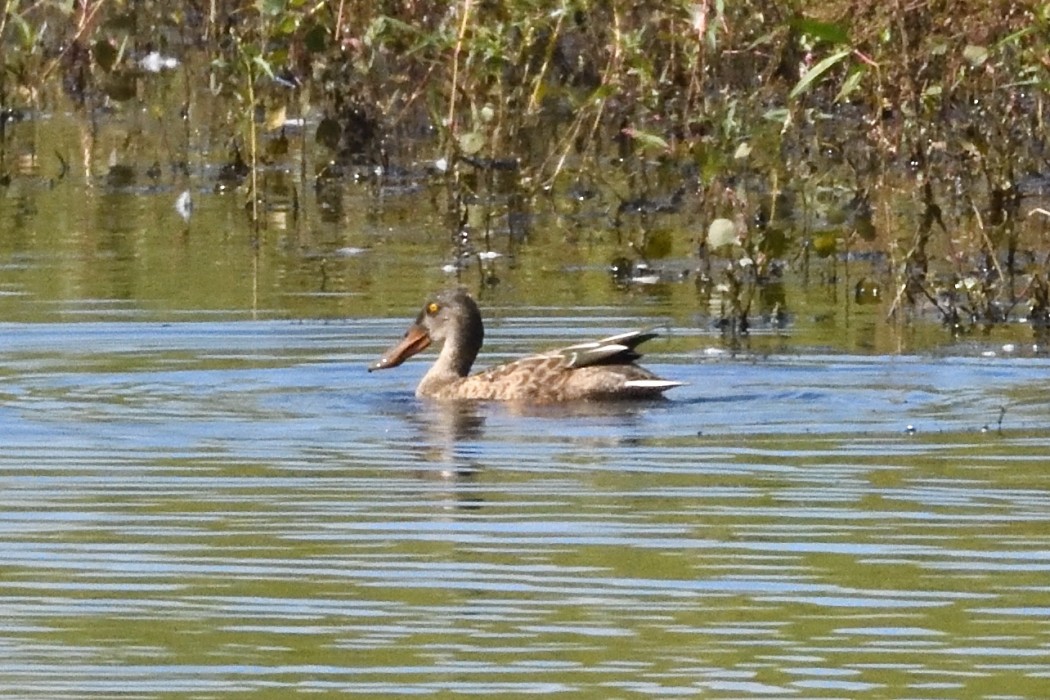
(223, 508)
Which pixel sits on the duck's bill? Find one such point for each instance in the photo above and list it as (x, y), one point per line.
(416, 340)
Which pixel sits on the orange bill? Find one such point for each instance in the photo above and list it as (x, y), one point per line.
(416, 340)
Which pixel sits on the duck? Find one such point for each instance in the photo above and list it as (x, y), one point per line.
(600, 370)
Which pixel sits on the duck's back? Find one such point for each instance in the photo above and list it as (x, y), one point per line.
(600, 370)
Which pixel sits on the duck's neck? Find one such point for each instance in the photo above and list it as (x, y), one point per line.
(458, 353)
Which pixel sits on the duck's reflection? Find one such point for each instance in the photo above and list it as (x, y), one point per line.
(451, 442)
(448, 437)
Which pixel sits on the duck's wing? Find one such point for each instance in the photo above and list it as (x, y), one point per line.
(615, 350)
(600, 369)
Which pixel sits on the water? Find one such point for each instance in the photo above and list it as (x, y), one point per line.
(221, 508)
(204, 493)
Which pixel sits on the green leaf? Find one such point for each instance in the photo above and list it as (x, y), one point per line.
(851, 83)
(1012, 38)
(316, 39)
(648, 140)
(777, 114)
(658, 244)
(831, 32)
(816, 71)
(975, 55)
(264, 66)
(601, 93)
(825, 244)
(25, 32)
(105, 55)
(275, 117)
(471, 142)
(286, 25)
(272, 8)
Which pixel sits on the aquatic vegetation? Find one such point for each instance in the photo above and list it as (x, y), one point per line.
(823, 132)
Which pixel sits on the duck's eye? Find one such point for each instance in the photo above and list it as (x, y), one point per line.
(432, 307)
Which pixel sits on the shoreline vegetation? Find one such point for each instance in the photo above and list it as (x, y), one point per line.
(911, 133)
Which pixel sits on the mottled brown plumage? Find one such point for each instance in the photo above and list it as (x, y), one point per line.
(599, 370)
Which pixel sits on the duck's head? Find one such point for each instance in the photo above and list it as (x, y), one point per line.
(450, 317)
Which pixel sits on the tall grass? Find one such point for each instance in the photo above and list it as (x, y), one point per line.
(724, 105)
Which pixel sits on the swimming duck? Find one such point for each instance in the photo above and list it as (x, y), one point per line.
(599, 370)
